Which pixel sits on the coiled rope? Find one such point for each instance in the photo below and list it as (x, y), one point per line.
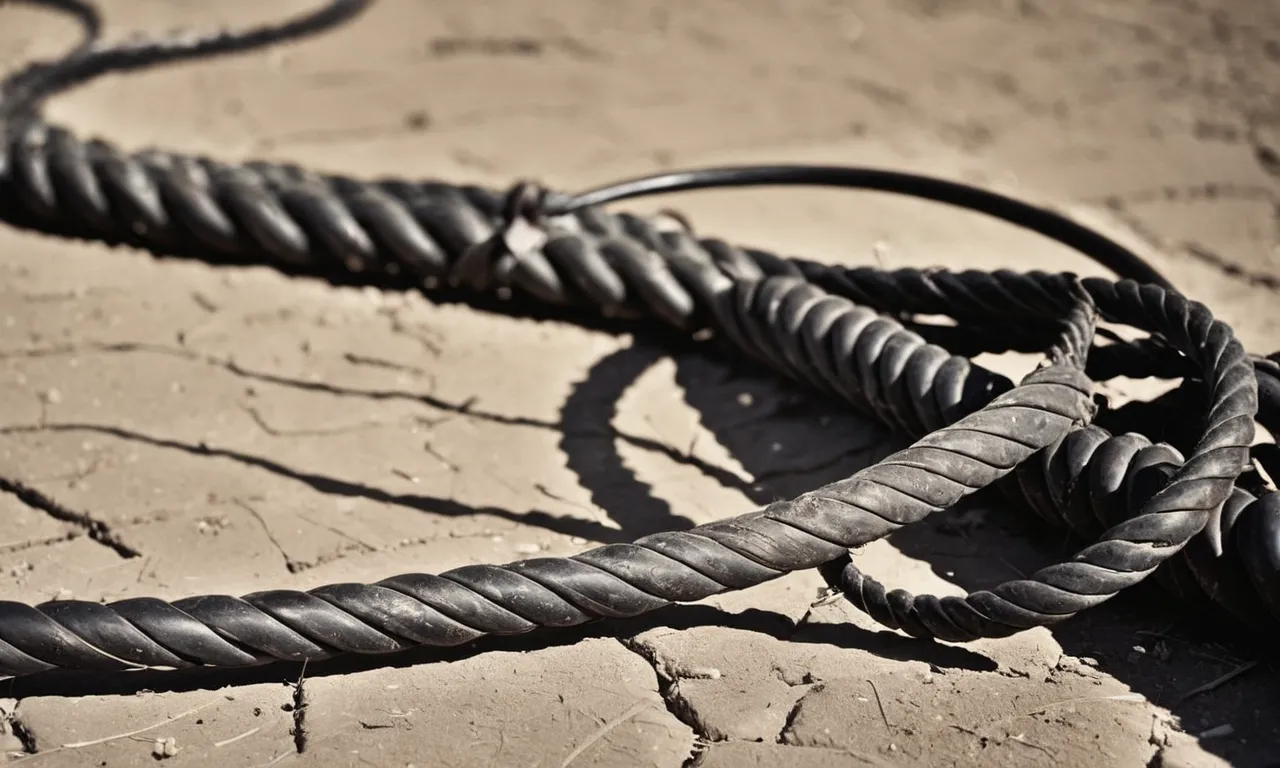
(1194, 511)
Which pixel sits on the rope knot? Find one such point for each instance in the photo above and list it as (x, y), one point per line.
(520, 232)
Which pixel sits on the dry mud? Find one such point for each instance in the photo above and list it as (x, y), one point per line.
(172, 428)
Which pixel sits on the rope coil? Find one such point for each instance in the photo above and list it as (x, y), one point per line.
(1191, 510)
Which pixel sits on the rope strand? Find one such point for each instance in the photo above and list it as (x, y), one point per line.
(1191, 511)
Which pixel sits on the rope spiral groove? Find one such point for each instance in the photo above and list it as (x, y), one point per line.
(1194, 512)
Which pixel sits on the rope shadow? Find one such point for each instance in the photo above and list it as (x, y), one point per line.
(985, 541)
(333, 486)
(585, 436)
(952, 543)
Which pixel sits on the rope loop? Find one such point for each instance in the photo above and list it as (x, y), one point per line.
(1174, 489)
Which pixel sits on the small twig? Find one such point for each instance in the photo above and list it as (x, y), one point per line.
(433, 453)
(1019, 740)
(880, 704)
(118, 736)
(1217, 682)
(234, 739)
(366, 546)
(604, 730)
(289, 562)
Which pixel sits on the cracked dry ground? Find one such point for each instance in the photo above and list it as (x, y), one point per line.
(173, 428)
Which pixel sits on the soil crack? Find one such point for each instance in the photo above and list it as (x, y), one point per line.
(300, 701)
(97, 530)
(669, 689)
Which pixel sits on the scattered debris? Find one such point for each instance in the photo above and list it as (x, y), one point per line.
(234, 739)
(1226, 729)
(164, 748)
(1218, 681)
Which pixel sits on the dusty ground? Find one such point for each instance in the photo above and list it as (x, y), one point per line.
(198, 429)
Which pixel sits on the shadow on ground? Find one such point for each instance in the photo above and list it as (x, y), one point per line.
(1190, 660)
(1173, 655)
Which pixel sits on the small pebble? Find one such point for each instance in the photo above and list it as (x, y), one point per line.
(528, 549)
(164, 748)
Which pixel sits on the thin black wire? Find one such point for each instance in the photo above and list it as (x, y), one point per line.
(1091, 243)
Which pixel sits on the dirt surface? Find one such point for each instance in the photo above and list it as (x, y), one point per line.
(178, 428)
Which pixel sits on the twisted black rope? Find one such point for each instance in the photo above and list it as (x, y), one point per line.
(1195, 514)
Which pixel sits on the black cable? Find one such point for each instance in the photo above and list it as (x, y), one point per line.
(1055, 226)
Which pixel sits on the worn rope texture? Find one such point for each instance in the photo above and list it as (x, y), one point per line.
(1196, 511)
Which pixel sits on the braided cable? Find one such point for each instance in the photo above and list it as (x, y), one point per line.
(1205, 524)
(612, 581)
(620, 264)
(1158, 521)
